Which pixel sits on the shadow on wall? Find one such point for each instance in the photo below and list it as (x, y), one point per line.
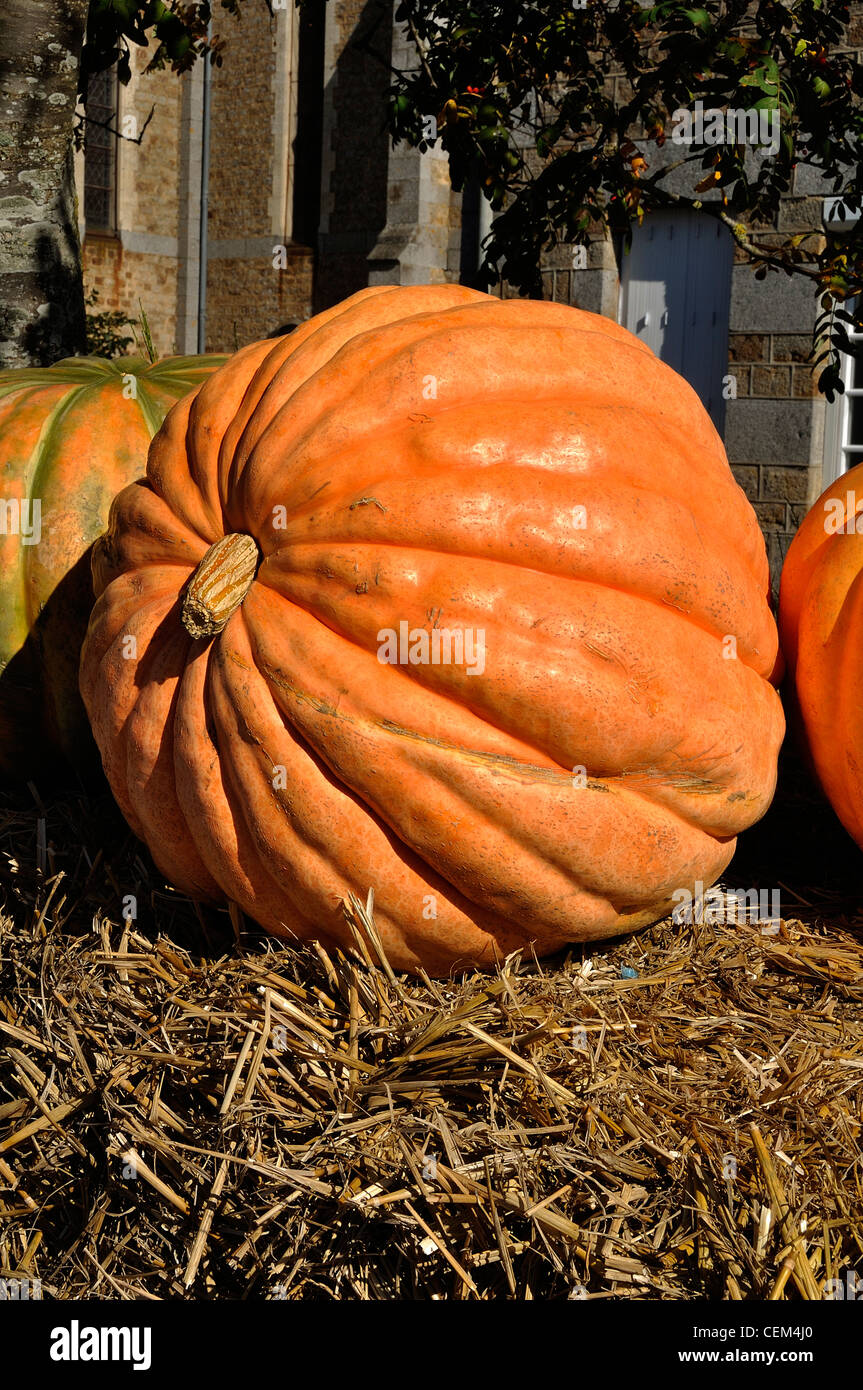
(355, 102)
(53, 298)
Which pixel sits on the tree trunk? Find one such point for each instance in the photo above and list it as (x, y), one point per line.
(41, 290)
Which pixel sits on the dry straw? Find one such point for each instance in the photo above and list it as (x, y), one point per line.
(185, 1116)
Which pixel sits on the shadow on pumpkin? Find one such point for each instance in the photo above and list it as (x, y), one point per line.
(44, 732)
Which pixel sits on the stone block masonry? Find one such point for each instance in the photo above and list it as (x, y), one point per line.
(153, 254)
(253, 289)
(769, 432)
(139, 260)
(355, 146)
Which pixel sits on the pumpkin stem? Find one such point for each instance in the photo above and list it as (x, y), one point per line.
(219, 584)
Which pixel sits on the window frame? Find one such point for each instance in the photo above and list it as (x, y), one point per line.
(109, 228)
(840, 455)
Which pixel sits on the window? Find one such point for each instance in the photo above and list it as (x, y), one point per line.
(100, 153)
(843, 433)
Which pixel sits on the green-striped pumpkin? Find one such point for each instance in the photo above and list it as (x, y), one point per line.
(71, 436)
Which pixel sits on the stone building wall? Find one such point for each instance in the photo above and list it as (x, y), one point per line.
(140, 260)
(371, 213)
(774, 432)
(416, 245)
(258, 279)
(125, 280)
(154, 253)
(355, 144)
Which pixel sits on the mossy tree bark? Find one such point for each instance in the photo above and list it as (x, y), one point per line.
(41, 290)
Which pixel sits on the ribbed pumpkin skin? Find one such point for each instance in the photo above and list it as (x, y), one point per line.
(70, 438)
(430, 447)
(821, 627)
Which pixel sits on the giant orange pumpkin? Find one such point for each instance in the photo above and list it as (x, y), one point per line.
(821, 623)
(447, 596)
(71, 436)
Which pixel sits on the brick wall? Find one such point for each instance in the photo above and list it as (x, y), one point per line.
(154, 254)
(249, 299)
(123, 278)
(241, 139)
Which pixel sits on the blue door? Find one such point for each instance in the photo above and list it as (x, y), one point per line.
(675, 293)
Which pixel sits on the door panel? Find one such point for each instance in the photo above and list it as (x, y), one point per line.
(675, 295)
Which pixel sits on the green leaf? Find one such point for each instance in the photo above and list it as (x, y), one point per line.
(145, 329)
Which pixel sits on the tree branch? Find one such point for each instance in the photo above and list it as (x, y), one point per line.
(82, 119)
(420, 52)
(741, 233)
